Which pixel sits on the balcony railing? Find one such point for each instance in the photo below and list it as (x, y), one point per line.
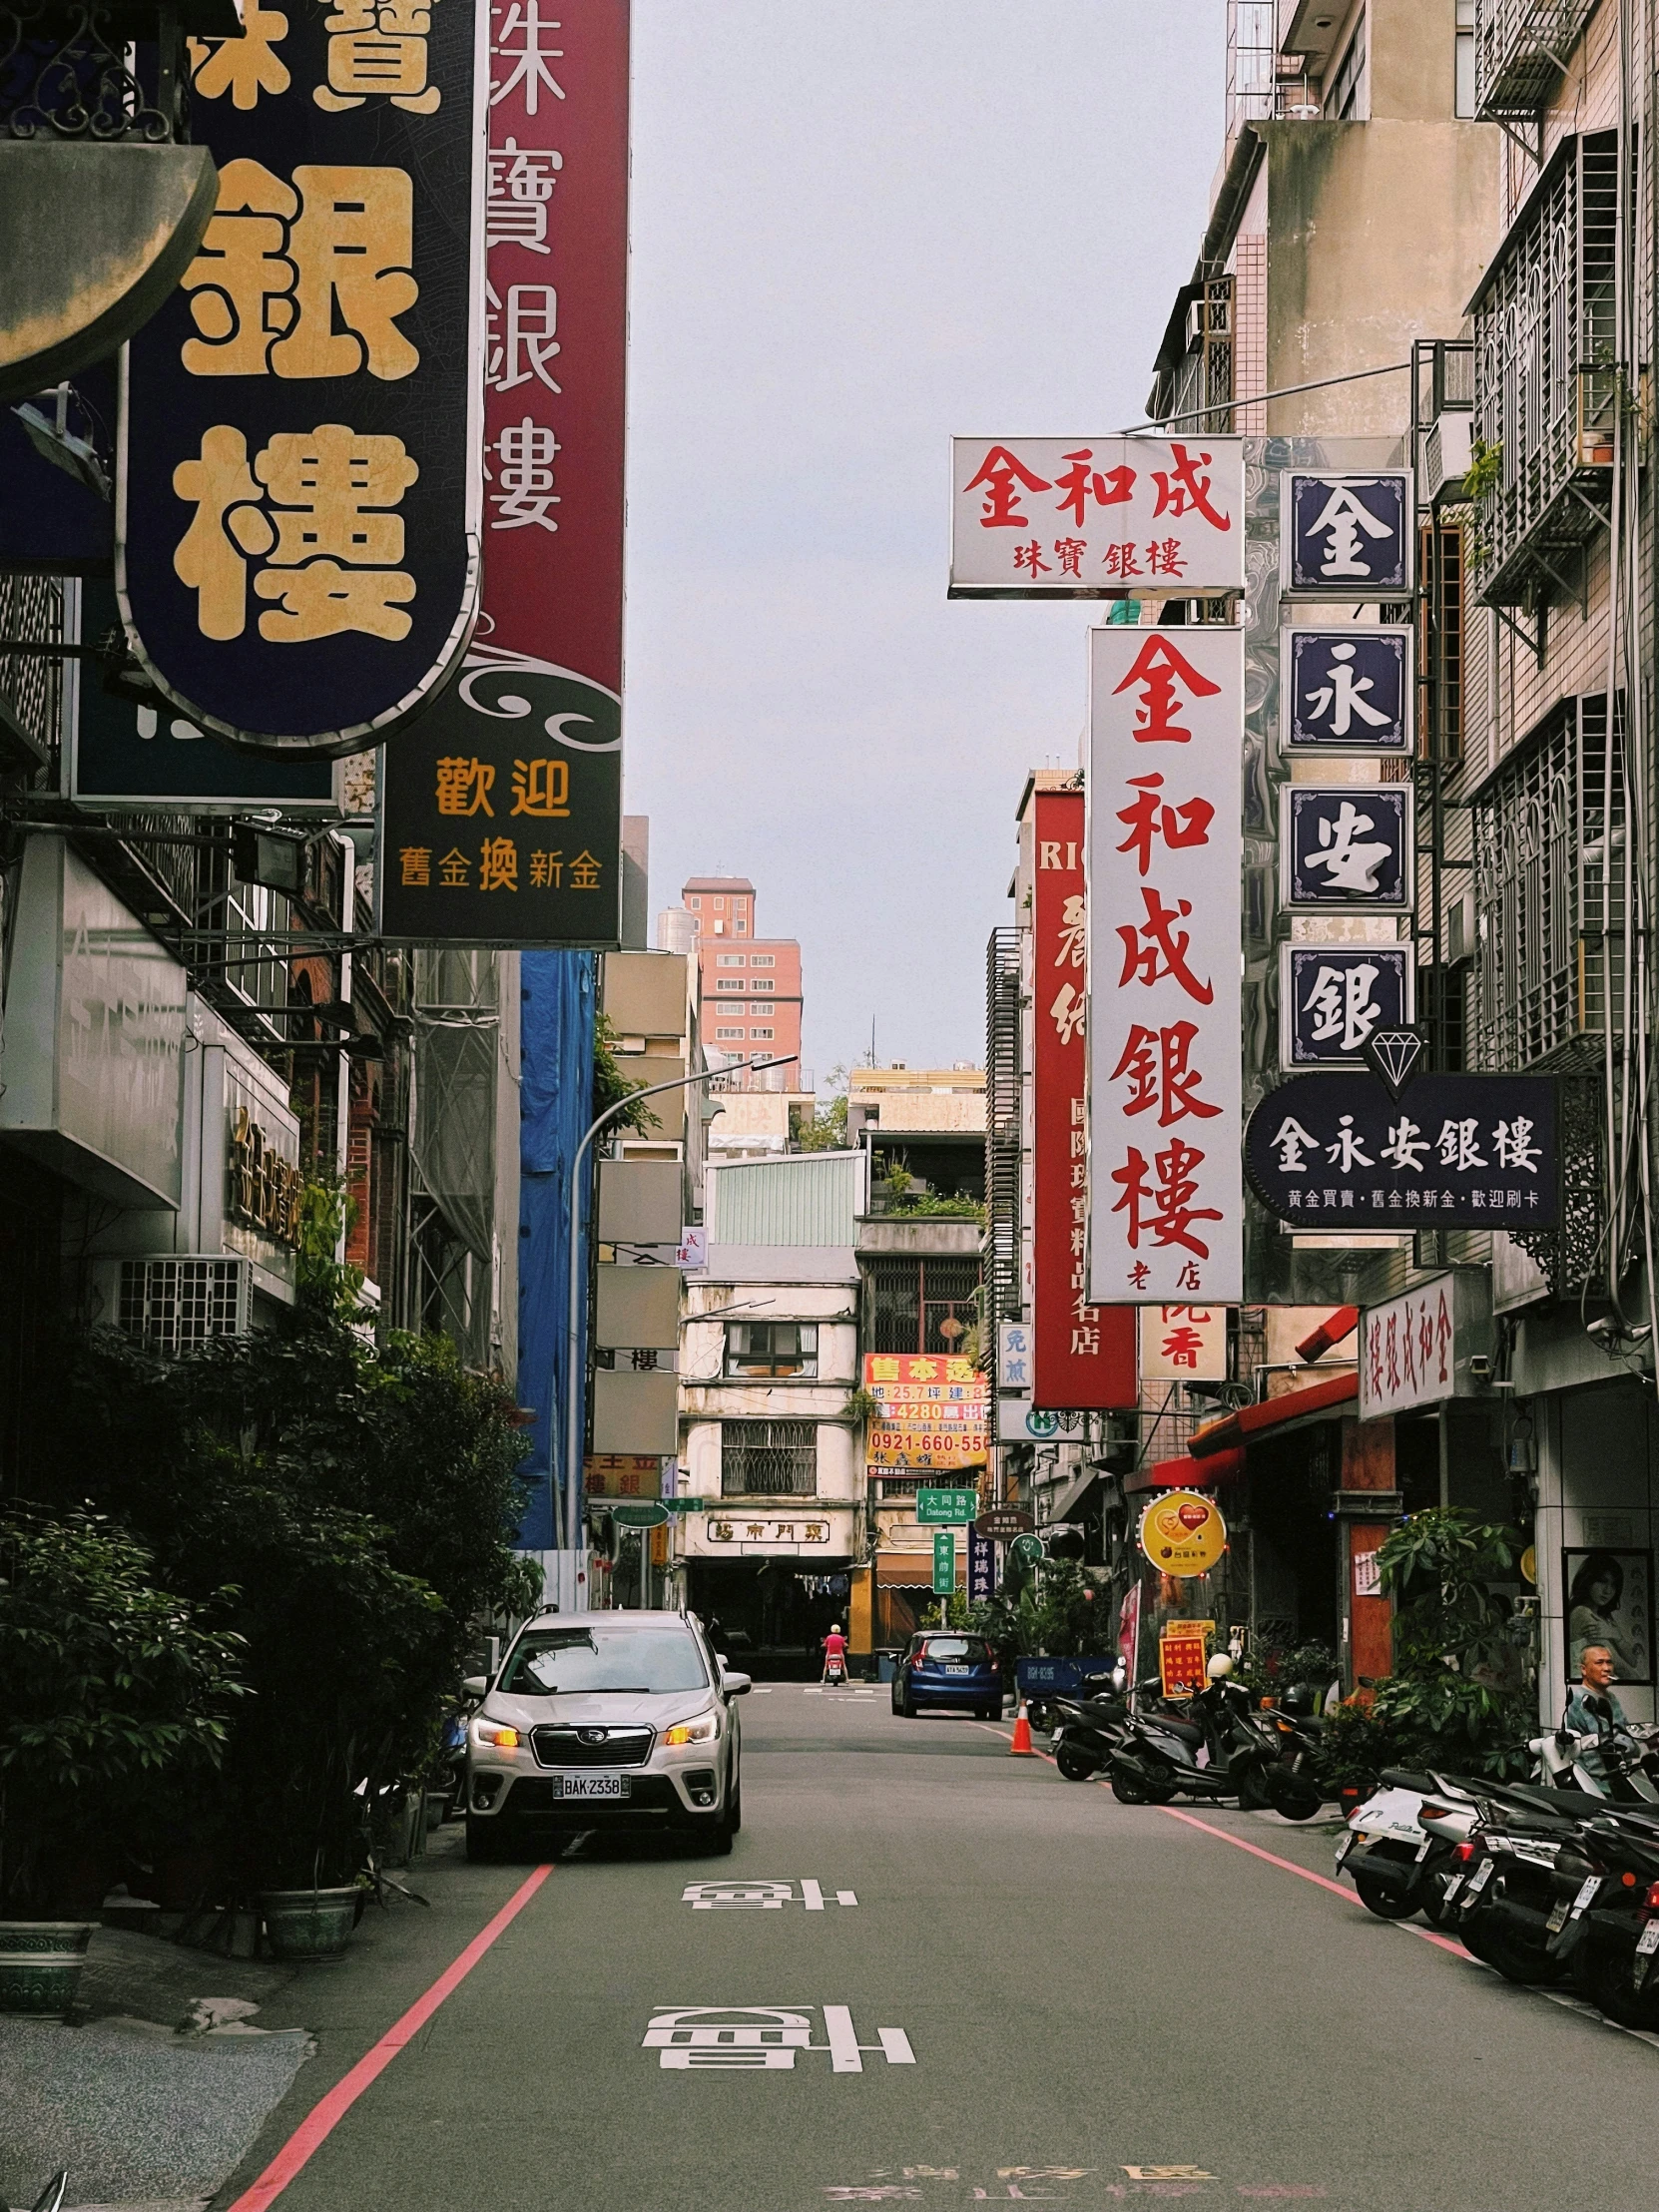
(1546, 387)
(1522, 49)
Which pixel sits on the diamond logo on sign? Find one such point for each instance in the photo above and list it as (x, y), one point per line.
(1333, 1000)
(1348, 690)
(1396, 1055)
(1346, 845)
(1346, 536)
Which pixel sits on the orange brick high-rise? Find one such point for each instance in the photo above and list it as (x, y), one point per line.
(750, 985)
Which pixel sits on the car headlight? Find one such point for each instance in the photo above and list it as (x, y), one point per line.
(702, 1730)
(496, 1736)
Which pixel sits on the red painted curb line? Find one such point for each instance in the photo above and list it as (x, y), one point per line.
(325, 2116)
(1427, 1934)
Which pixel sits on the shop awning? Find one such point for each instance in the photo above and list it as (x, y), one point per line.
(1070, 1495)
(1188, 1473)
(1321, 1401)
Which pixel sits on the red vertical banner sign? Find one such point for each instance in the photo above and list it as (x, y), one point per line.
(1085, 1355)
(556, 215)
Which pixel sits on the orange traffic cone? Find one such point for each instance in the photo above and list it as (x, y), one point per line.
(1022, 1745)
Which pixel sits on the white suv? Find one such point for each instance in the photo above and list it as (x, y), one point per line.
(621, 1721)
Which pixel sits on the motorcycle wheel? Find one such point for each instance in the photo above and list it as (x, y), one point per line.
(1515, 1962)
(1603, 1977)
(1252, 1796)
(1127, 1791)
(1076, 1766)
(1433, 1903)
(1388, 1905)
(1292, 1799)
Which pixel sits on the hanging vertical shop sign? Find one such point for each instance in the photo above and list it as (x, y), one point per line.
(298, 485)
(1096, 518)
(1334, 999)
(1084, 1355)
(1347, 690)
(527, 746)
(1183, 1344)
(1166, 720)
(1347, 846)
(1346, 536)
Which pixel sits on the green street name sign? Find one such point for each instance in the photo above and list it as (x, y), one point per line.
(648, 1513)
(952, 1508)
(944, 1559)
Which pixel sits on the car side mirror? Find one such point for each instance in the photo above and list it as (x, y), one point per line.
(475, 1685)
(735, 1685)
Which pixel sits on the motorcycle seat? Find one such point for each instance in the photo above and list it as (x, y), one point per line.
(1397, 1778)
(1188, 1731)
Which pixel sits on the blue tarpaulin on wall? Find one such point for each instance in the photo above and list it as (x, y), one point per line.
(555, 1106)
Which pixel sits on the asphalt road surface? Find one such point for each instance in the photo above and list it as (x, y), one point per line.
(1038, 1995)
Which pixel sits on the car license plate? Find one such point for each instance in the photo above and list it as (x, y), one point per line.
(1479, 1879)
(958, 1670)
(1586, 1891)
(590, 1784)
(1647, 1942)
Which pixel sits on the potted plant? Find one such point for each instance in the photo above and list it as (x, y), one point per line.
(113, 1688)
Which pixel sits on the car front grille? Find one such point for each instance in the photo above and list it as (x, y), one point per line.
(563, 1747)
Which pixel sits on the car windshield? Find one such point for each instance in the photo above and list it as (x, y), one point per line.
(550, 1661)
(955, 1651)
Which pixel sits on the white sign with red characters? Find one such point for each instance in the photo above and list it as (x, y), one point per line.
(1096, 518)
(1183, 1344)
(1166, 1187)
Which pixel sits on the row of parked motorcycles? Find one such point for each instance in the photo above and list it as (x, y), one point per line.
(1554, 1880)
(1218, 1743)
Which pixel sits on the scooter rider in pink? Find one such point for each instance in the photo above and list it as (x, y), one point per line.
(835, 1657)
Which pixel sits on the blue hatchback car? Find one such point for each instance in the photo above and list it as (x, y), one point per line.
(943, 1668)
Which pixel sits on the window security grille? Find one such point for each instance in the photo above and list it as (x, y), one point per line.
(762, 1349)
(1520, 50)
(767, 1458)
(1545, 914)
(922, 1305)
(1546, 389)
(176, 1303)
(1002, 1055)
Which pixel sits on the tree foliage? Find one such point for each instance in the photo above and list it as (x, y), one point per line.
(358, 1499)
(113, 1688)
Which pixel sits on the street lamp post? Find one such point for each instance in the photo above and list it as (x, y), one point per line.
(575, 1394)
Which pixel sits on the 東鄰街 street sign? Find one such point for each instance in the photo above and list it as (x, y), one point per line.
(1334, 999)
(1333, 1152)
(945, 1562)
(1346, 537)
(500, 816)
(957, 1508)
(300, 493)
(1096, 518)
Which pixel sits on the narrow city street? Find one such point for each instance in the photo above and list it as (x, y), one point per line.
(1015, 1957)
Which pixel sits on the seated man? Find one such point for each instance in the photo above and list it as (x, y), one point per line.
(1592, 1709)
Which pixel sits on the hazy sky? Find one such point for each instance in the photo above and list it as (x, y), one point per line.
(859, 226)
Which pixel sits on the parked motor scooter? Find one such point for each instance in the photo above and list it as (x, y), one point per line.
(1606, 1929)
(1220, 1749)
(1088, 1724)
(1509, 1874)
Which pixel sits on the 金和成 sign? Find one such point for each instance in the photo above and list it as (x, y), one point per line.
(1096, 518)
(1333, 998)
(301, 439)
(1166, 723)
(1330, 1152)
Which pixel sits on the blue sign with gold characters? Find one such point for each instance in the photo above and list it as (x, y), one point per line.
(300, 449)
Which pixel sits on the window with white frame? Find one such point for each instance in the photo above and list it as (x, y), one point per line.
(769, 1350)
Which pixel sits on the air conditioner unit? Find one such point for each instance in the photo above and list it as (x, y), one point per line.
(1459, 929)
(1209, 319)
(1447, 452)
(176, 1301)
